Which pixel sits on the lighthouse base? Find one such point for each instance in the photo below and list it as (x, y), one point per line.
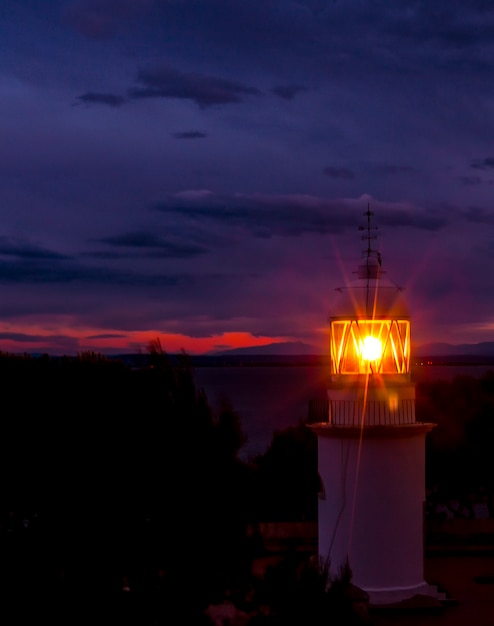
(419, 595)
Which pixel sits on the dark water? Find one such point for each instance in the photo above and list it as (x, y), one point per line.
(272, 398)
(266, 398)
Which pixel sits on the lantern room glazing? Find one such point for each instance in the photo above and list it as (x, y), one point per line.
(370, 346)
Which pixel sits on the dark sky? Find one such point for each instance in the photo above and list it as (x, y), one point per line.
(197, 169)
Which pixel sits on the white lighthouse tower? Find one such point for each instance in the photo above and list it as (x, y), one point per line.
(371, 451)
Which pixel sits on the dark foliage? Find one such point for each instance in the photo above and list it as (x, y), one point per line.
(112, 478)
(459, 460)
(302, 592)
(287, 478)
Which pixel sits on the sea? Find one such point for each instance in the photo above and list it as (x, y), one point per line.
(271, 396)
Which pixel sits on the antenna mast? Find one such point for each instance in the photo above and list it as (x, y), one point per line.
(371, 268)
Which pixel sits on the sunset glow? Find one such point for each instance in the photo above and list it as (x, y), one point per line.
(67, 339)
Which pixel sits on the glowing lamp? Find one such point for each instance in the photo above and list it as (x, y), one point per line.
(371, 349)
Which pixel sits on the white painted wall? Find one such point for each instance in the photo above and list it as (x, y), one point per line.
(373, 516)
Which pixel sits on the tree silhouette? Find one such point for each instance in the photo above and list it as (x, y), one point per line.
(121, 473)
(459, 463)
(288, 479)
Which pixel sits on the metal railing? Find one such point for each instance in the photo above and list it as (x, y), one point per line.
(375, 413)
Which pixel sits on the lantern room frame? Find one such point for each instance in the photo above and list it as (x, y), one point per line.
(347, 346)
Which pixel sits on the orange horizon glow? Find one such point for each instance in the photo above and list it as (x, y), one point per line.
(67, 340)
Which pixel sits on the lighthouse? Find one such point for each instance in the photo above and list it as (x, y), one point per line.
(371, 449)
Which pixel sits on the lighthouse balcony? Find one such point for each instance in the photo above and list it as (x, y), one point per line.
(371, 413)
(371, 405)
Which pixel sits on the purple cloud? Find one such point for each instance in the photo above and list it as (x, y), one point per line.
(154, 245)
(483, 164)
(167, 82)
(108, 99)
(341, 173)
(295, 215)
(190, 134)
(287, 92)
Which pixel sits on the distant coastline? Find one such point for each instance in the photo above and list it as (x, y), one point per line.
(454, 359)
(301, 360)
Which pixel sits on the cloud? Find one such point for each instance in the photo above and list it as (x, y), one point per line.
(190, 134)
(341, 173)
(483, 164)
(107, 336)
(295, 215)
(167, 82)
(23, 337)
(471, 180)
(64, 273)
(430, 220)
(465, 26)
(24, 250)
(157, 246)
(107, 99)
(287, 92)
(478, 215)
(396, 170)
(59, 342)
(108, 255)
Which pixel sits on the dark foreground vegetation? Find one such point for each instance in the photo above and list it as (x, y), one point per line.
(459, 458)
(124, 500)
